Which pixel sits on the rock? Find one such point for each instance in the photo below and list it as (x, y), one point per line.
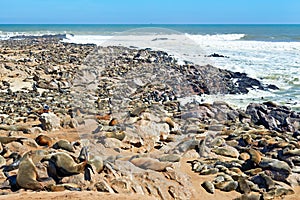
(226, 151)
(217, 55)
(208, 186)
(148, 128)
(49, 121)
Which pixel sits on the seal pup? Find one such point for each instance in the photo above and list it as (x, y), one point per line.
(63, 165)
(27, 174)
(43, 140)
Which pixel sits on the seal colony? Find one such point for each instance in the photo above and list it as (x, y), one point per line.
(66, 125)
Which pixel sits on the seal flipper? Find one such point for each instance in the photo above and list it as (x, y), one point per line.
(87, 172)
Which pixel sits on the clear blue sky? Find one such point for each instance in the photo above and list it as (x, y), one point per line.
(150, 11)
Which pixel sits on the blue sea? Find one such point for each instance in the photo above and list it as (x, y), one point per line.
(270, 53)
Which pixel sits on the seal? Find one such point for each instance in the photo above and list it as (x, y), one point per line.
(113, 122)
(15, 164)
(65, 145)
(43, 140)
(6, 140)
(37, 155)
(63, 165)
(27, 174)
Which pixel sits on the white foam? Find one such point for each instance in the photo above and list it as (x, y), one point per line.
(87, 39)
(216, 37)
(7, 35)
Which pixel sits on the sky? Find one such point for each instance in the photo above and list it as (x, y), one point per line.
(149, 11)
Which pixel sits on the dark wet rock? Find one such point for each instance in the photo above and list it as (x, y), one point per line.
(54, 36)
(215, 55)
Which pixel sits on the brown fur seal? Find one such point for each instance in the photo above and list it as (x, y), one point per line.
(62, 165)
(43, 140)
(150, 163)
(37, 155)
(27, 174)
(113, 122)
(65, 145)
(6, 140)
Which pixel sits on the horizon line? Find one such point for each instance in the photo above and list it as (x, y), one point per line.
(150, 24)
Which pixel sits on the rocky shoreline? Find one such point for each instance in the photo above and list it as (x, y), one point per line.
(85, 118)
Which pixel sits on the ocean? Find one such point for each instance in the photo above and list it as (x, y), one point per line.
(269, 53)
